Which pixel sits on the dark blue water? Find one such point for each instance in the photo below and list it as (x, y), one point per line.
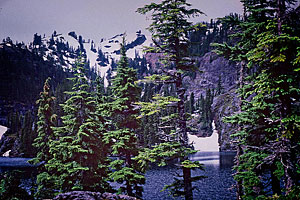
(218, 170)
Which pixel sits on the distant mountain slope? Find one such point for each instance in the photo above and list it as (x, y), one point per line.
(101, 56)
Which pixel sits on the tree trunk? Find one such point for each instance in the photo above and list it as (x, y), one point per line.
(280, 13)
(188, 189)
(128, 164)
(289, 166)
(288, 158)
(239, 184)
(187, 180)
(181, 112)
(275, 182)
(129, 189)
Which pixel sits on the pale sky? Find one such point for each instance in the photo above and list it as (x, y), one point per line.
(94, 19)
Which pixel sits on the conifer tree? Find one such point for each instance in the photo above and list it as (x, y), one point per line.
(100, 90)
(191, 102)
(27, 135)
(79, 154)
(46, 121)
(170, 29)
(46, 117)
(125, 93)
(267, 139)
(219, 86)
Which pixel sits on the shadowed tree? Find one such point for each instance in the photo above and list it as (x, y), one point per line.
(268, 137)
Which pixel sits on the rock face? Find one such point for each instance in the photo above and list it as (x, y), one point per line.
(212, 68)
(86, 195)
(225, 105)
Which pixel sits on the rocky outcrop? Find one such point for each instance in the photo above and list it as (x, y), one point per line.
(86, 195)
(10, 142)
(212, 68)
(223, 106)
(6, 143)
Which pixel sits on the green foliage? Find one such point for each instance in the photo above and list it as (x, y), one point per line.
(268, 121)
(79, 152)
(155, 78)
(123, 137)
(157, 105)
(46, 121)
(172, 27)
(191, 164)
(248, 172)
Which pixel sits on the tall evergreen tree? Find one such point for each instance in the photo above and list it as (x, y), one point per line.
(268, 137)
(27, 135)
(125, 93)
(79, 154)
(170, 29)
(46, 121)
(191, 103)
(219, 87)
(47, 118)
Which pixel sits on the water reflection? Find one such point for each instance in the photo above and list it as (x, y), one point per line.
(224, 159)
(211, 158)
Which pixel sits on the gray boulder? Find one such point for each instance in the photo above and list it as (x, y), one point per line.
(87, 195)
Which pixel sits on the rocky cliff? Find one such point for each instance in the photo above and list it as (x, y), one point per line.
(225, 105)
(212, 68)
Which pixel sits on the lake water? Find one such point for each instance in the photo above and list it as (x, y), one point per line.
(218, 170)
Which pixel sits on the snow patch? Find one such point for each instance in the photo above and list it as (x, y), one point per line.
(3, 129)
(206, 143)
(6, 154)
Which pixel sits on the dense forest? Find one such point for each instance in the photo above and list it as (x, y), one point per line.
(88, 132)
